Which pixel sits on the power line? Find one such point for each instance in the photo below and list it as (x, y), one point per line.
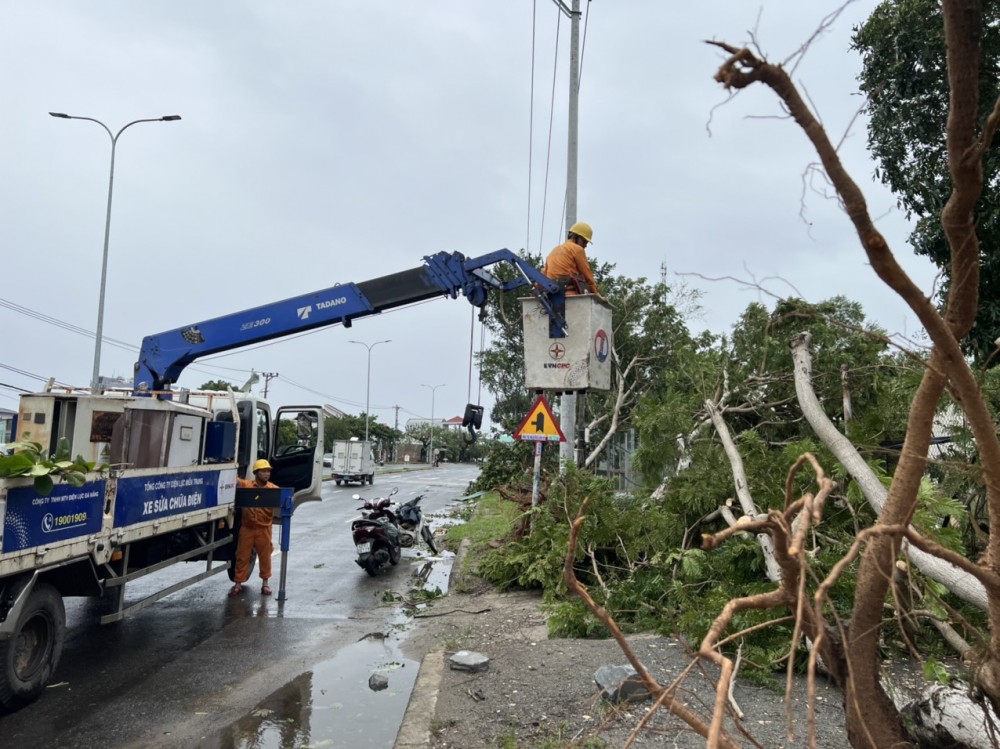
(31, 375)
(561, 10)
(13, 387)
(56, 322)
(28, 312)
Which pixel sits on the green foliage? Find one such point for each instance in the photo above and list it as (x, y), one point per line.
(933, 510)
(29, 459)
(423, 595)
(217, 385)
(506, 463)
(935, 671)
(493, 519)
(382, 436)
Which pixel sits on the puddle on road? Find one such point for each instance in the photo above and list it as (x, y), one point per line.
(332, 706)
(433, 574)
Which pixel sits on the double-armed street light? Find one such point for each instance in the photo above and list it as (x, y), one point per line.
(368, 388)
(95, 377)
(430, 452)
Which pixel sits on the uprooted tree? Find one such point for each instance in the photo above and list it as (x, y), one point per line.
(849, 647)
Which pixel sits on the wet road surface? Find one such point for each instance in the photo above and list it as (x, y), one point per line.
(201, 669)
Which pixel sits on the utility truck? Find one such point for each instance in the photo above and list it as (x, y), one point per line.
(166, 460)
(352, 462)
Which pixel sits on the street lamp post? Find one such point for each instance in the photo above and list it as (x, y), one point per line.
(430, 452)
(95, 377)
(368, 388)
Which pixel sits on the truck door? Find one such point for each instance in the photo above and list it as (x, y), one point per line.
(297, 451)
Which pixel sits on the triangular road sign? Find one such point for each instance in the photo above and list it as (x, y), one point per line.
(540, 425)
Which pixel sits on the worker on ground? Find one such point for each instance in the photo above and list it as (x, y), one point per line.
(567, 264)
(255, 532)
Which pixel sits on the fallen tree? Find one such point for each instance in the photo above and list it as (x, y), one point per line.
(849, 648)
(872, 720)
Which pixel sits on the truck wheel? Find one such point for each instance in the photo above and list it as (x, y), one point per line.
(371, 479)
(338, 482)
(28, 659)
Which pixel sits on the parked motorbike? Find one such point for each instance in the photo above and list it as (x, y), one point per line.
(376, 534)
(412, 526)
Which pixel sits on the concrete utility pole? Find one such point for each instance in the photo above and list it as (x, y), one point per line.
(567, 403)
(268, 376)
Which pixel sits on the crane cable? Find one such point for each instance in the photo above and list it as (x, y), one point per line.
(472, 331)
(473, 417)
(482, 345)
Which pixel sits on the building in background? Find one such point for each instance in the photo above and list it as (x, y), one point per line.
(8, 424)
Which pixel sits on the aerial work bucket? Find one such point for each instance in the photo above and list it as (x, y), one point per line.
(579, 362)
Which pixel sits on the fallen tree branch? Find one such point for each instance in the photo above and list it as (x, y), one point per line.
(742, 491)
(453, 611)
(716, 738)
(943, 571)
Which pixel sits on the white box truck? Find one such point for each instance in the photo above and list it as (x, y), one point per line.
(352, 461)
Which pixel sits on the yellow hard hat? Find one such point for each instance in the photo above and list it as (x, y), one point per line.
(582, 230)
(261, 465)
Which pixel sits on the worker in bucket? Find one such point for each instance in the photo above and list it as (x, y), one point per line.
(567, 264)
(255, 532)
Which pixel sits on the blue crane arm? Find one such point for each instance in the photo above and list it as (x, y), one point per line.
(163, 356)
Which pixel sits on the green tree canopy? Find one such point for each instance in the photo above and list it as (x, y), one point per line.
(217, 385)
(905, 79)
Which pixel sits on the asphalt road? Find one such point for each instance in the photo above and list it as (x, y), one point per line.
(201, 669)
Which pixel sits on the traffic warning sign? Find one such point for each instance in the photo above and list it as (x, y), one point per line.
(540, 425)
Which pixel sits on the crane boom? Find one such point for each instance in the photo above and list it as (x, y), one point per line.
(164, 356)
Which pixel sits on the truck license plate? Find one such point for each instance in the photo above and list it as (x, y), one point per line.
(364, 548)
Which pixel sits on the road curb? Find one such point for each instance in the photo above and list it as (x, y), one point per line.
(415, 730)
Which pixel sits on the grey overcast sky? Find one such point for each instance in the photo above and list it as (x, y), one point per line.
(332, 141)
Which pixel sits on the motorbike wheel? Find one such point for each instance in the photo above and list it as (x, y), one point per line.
(371, 565)
(395, 554)
(428, 536)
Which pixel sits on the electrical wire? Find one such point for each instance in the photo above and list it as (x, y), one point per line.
(548, 150)
(30, 375)
(56, 322)
(531, 120)
(561, 9)
(13, 387)
(28, 312)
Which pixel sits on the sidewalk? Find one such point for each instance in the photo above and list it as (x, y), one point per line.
(541, 692)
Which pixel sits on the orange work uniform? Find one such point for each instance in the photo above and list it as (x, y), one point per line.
(255, 533)
(566, 261)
